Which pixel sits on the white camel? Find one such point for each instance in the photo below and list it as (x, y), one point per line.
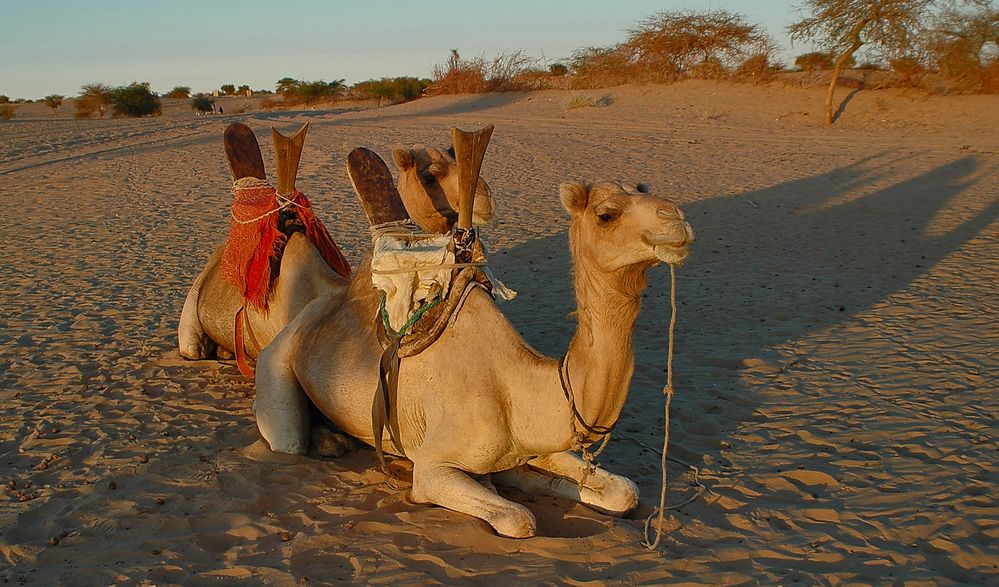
(480, 400)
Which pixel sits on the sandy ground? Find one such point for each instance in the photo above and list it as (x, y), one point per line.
(836, 357)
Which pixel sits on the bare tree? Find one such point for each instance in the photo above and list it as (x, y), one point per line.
(886, 26)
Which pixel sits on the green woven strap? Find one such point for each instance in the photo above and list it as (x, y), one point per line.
(416, 316)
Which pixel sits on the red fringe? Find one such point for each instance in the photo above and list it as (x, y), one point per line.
(250, 248)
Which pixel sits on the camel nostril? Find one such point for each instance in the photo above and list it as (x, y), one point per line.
(672, 213)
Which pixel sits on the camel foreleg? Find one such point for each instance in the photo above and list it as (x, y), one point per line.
(452, 488)
(567, 475)
(281, 405)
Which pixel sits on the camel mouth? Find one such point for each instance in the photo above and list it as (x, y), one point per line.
(672, 245)
(672, 254)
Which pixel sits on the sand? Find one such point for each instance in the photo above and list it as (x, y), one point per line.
(835, 368)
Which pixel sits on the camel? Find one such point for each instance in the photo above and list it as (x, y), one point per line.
(427, 182)
(480, 402)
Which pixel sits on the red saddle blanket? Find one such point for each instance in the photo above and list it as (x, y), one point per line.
(256, 239)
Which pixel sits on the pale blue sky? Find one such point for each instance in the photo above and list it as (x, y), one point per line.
(55, 46)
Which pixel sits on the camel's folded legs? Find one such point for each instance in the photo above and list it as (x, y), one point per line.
(567, 475)
(281, 406)
(452, 488)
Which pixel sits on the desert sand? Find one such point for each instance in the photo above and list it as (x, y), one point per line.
(836, 361)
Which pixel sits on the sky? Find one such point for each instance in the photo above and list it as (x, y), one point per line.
(56, 46)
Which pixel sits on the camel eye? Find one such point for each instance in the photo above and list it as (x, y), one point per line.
(605, 216)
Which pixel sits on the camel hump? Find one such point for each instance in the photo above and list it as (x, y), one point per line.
(375, 188)
(243, 152)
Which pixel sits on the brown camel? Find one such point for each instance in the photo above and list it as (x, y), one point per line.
(480, 400)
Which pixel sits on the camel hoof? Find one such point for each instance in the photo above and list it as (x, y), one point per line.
(519, 523)
(330, 444)
(617, 498)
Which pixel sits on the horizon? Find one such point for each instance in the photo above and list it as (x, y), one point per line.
(202, 46)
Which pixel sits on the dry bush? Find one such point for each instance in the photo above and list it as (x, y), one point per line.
(964, 47)
(601, 67)
(906, 72)
(478, 75)
(6, 111)
(757, 69)
(268, 103)
(673, 44)
(816, 60)
(94, 98)
(580, 101)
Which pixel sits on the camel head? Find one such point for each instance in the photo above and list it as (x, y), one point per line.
(428, 184)
(616, 226)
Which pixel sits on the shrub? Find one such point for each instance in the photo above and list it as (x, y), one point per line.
(477, 75)
(4, 99)
(670, 44)
(243, 90)
(602, 67)
(393, 90)
(580, 101)
(907, 72)
(134, 100)
(558, 69)
(227, 89)
(965, 47)
(179, 92)
(6, 111)
(816, 60)
(53, 101)
(93, 98)
(757, 69)
(203, 103)
(296, 92)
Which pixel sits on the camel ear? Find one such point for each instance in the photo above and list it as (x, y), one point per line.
(403, 158)
(574, 196)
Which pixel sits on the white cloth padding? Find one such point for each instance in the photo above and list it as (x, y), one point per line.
(407, 291)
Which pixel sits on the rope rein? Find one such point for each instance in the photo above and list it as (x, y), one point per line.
(660, 514)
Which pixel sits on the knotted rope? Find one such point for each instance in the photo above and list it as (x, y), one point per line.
(668, 392)
(256, 238)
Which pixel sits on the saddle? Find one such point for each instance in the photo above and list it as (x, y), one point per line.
(423, 279)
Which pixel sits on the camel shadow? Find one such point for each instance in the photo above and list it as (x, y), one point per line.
(769, 267)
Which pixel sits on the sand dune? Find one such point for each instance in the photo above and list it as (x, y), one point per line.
(835, 363)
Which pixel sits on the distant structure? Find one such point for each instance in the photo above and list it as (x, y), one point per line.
(249, 93)
(215, 93)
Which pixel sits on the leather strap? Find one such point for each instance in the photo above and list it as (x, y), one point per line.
(240, 350)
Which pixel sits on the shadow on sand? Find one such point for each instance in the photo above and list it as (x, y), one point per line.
(769, 267)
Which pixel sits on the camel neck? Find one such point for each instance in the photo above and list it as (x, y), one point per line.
(601, 356)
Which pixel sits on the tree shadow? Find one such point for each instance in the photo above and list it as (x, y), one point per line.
(846, 101)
